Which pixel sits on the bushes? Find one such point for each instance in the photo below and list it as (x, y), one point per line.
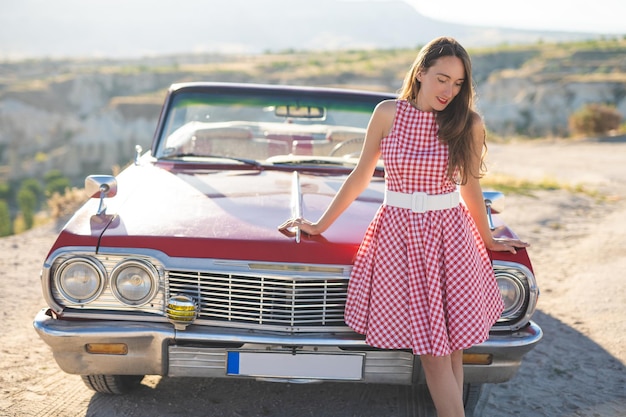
(6, 227)
(21, 201)
(595, 119)
(64, 205)
(27, 202)
(56, 182)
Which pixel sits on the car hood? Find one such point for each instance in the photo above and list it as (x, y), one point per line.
(228, 215)
(225, 215)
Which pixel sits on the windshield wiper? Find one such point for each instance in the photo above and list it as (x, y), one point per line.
(313, 161)
(379, 170)
(245, 161)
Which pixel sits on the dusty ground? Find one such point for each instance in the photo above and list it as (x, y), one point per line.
(579, 252)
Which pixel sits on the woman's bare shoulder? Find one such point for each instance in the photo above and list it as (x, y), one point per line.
(384, 115)
(386, 110)
(387, 107)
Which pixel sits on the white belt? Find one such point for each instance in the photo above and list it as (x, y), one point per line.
(420, 202)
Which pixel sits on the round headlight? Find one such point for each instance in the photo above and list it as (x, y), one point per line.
(513, 294)
(134, 282)
(80, 280)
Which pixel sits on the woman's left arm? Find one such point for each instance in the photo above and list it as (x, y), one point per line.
(473, 195)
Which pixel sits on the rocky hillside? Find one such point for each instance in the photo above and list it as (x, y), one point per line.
(86, 116)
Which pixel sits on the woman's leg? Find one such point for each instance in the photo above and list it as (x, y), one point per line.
(457, 368)
(443, 384)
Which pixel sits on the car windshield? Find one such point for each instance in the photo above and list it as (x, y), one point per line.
(264, 125)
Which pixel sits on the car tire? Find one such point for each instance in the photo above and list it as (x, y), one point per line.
(418, 403)
(472, 394)
(112, 384)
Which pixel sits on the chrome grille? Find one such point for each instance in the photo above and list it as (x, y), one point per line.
(263, 300)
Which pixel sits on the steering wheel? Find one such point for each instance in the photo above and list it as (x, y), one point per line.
(343, 144)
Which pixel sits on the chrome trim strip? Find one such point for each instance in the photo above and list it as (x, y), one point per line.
(296, 202)
(58, 333)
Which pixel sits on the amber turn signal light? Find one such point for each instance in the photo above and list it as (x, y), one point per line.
(107, 348)
(477, 359)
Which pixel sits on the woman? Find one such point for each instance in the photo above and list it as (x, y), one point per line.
(422, 278)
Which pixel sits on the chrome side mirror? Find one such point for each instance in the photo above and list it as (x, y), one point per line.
(101, 186)
(490, 198)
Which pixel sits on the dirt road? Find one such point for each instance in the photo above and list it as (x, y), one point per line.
(579, 252)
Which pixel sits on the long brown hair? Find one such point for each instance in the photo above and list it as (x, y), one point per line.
(455, 121)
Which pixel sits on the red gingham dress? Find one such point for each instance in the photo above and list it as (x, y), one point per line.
(421, 281)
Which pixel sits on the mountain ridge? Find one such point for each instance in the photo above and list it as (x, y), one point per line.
(117, 29)
(87, 115)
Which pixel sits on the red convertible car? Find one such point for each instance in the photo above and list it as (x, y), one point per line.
(176, 267)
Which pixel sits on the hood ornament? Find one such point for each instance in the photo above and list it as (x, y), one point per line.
(296, 202)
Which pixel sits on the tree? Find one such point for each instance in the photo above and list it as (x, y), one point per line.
(35, 187)
(5, 219)
(55, 182)
(27, 202)
(5, 191)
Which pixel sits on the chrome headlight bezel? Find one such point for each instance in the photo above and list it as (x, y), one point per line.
(149, 278)
(521, 306)
(98, 279)
(514, 294)
(105, 304)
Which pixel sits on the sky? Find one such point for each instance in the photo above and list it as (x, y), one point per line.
(140, 27)
(594, 16)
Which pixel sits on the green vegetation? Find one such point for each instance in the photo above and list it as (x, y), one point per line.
(6, 227)
(27, 202)
(521, 186)
(513, 185)
(20, 201)
(56, 182)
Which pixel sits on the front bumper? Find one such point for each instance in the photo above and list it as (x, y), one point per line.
(159, 349)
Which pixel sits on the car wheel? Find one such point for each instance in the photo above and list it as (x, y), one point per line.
(112, 384)
(472, 395)
(417, 401)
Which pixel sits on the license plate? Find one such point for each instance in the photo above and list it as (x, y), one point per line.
(300, 365)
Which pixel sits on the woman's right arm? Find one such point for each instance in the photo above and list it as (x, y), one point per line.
(379, 126)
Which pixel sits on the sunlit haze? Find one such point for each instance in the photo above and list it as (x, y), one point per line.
(599, 16)
(131, 28)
